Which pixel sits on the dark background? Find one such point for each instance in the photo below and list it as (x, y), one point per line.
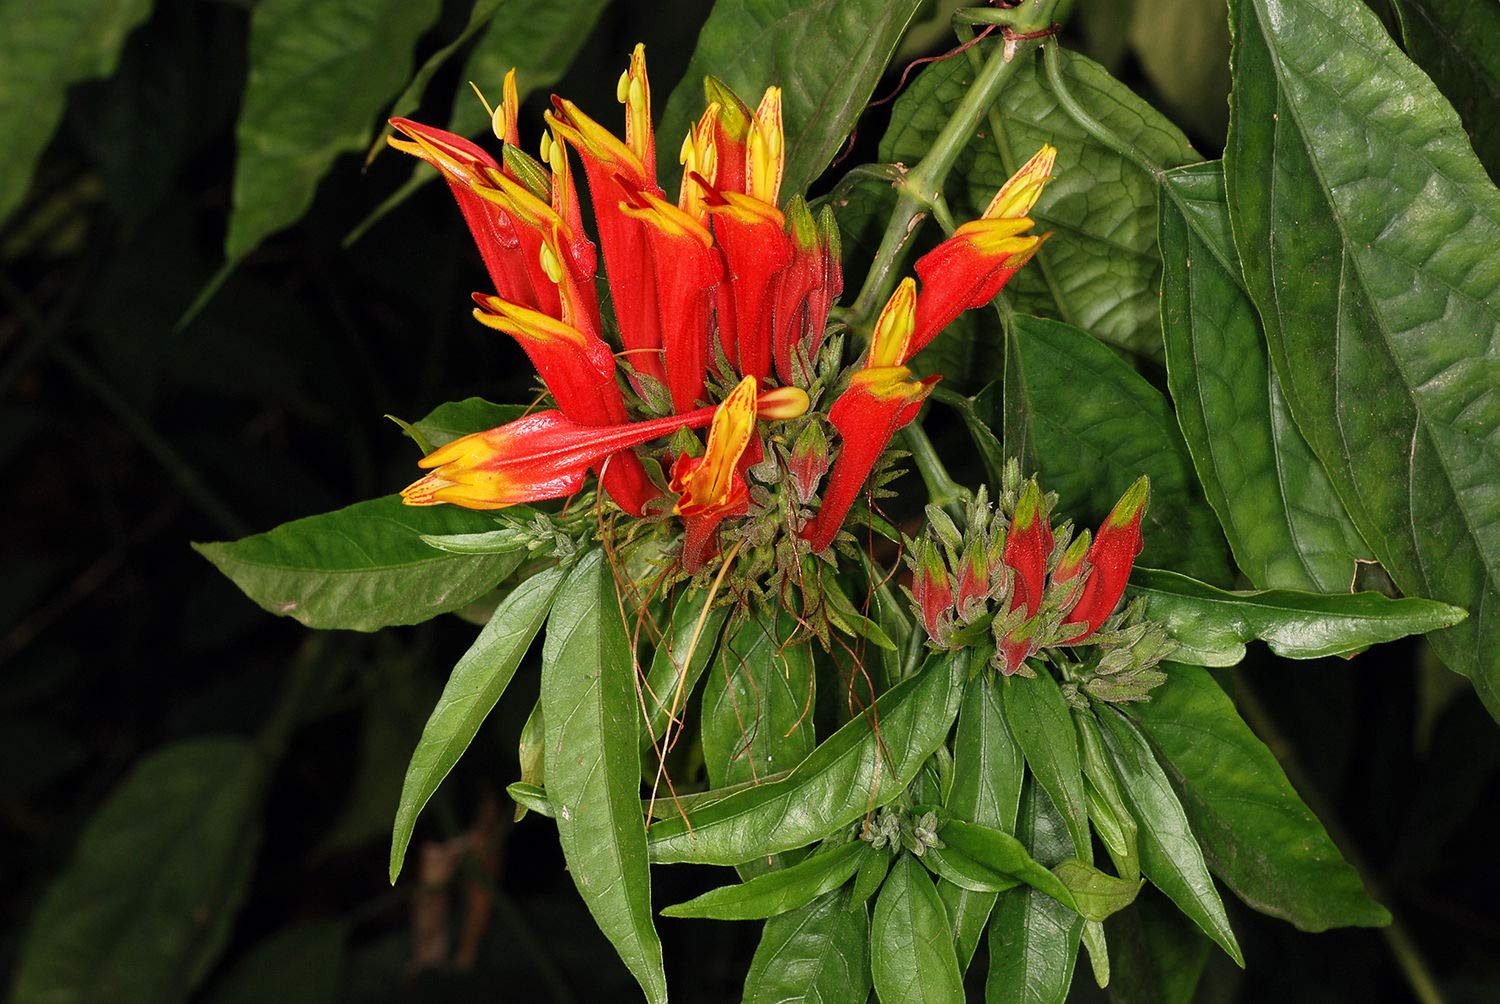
(124, 438)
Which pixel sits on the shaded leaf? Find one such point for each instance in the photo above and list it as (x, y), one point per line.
(851, 773)
(753, 44)
(45, 48)
(1454, 42)
(592, 724)
(363, 567)
(677, 664)
(1099, 270)
(819, 954)
(474, 687)
(1284, 521)
(449, 421)
(1156, 954)
(147, 902)
(757, 702)
(1170, 856)
(911, 945)
(1367, 228)
(299, 964)
(778, 891)
(1255, 831)
(1096, 426)
(1211, 625)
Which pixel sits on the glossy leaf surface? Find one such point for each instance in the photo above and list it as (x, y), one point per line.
(818, 954)
(911, 943)
(778, 891)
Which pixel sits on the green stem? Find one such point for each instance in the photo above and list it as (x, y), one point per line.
(1052, 63)
(1408, 957)
(941, 487)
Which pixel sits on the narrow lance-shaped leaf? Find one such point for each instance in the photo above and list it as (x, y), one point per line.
(778, 891)
(678, 663)
(819, 952)
(147, 903)
(753, 44)
(363, 567)
(1284, 521)
(1095, 425)
(849, 774)
(1255, 831)
(1366, 229)
(1037, 714)
(757, 701)
(1170, 856)
(1212, 625)
(911, 943)
(592, 724)
(474, 687)
(1157, 955)
(45, 48)
(1099, 270)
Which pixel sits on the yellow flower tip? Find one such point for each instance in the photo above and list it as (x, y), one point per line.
(667, 218)
(709, 484)
(735, 115)
(588, 137)
(891, 341)
(1021, 192)
(892, 382)
(699, 156)
(524, 323)
(1131, 504)
(634, 92)
(765, 153)
(783, 403)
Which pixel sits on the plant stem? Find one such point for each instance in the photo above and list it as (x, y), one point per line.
(1052, 63)
(1408, 957)
(941, 487)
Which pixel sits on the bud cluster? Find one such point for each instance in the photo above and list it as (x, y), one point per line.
(894, 828)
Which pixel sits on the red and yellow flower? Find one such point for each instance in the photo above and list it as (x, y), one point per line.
(721, 299)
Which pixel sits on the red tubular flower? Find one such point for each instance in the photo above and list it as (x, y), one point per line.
(881, 399)
(795, 285)
(731, 133)
(933, 591)
(1027, 548)
(712, 487)
(969, 269)
(1111, 556)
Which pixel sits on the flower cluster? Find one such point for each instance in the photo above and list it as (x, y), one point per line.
(1035, 586)
(721, 302)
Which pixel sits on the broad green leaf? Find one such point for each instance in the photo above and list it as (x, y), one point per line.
(818, 954)
(1170, 855)
(1284, 521)
(988, 770)
(1096, 426)
(1212, 625)
(677, 664)
(758, 701)
(320, 70)
(1039, 719)
(299, 964)
(911, 945)
(1366, 229)
(1005, 856)
(592, 722)
(957, 870)
(1157, 955)
(1099, 270)
(1097, 894)
(1255, 831)
(473, 688)
(1034, 938)
(778, 891)
(45, 48)
(449, 421)
(1454, 42)
(825, 55)
(147, 903)
(363, 567)
(858, 769)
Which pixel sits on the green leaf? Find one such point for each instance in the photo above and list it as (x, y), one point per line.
(757, 702)
(473, 688)
(455, 419)
(1170, 855)
(959, 871)
(1255, 831)
(1284, 521)
(1098, 894)
(363, 567)
(299, 964)
(592, 723)
(148, 901)
(778, 891)
(677, 664)
(819, 954)
(1033, 937)
(1005, 856)
(872, 872)
(320, 70)
(1107, 809)
(911, 945)
(531, 798)
(826, 55)
(1099, 270)
(1212, 625)
(1096, 426)
(988, 770)
(1367, 229)
(1454, 42)
(1039, 719)
(45, 48)
(853, 772)
(1157, 955)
